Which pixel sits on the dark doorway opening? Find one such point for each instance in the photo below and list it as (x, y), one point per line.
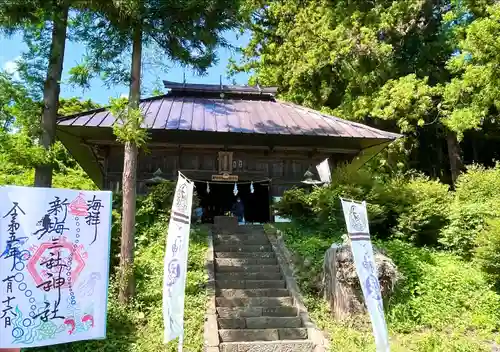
(220, 200)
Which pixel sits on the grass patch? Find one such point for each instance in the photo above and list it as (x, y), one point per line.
(443, 304)
(139, 326)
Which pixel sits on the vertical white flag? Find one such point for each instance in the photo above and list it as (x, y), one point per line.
(357, 226)
(324, 171)
(175, 265)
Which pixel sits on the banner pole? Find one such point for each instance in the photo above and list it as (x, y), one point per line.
(181, 340)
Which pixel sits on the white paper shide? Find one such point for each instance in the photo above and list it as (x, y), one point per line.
(54, 262)
(357, 226)
(176, 255)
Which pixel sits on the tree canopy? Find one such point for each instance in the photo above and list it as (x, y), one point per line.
(427, 69)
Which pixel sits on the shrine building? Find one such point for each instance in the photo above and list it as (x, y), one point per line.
(219, 136)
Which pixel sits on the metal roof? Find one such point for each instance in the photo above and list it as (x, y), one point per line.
(233, 116)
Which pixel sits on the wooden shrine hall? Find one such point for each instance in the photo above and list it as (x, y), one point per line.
(220, 135)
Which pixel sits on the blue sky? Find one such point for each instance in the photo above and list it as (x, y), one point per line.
(11, 49)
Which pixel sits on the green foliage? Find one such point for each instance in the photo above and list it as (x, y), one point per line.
(472, 96)
(413, 208)
(152, 213)
(19, 149)
(437, 294)
(426, 69)
(138, 326)
(295, 203)
(129, 123)
(424, 211)
(309, 244)
(487, 251)
(475, 200)
(187, 33)
(443, 303)
(408, 100)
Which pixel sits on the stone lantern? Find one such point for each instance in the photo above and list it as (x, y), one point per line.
(309, 180)
(156, 179)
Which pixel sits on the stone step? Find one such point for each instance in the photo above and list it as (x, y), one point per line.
(247, 312)
(268, 346)
(259, 323)
(235, 239)
(247, 276)
(254, 292)
(247, 229)
(243, 248)
(237, 255)
(247, 268)
(243, 234)
(235, 335)
(250, 283)
(245, 261)
(254, 302)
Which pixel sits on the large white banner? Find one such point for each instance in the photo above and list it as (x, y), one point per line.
(176, 255)
(324, 171)
(54, 262)
(357, 226)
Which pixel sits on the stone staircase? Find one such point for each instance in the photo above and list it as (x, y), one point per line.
(255, 310)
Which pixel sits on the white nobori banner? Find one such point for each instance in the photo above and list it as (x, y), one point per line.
(357, 226)
(176, 255)
(324, 172)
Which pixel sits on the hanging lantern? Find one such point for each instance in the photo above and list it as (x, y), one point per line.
(251, 187)
(208, 188)
(235, 190)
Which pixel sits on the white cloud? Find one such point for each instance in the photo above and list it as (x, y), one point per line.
(10, 67)
(124, 95)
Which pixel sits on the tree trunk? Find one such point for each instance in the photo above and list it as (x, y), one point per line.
(454, 154)
(127, 284)
(51, 90)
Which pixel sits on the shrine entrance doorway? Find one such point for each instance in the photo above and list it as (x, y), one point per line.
(220, 198)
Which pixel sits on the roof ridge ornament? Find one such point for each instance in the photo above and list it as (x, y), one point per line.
(258, 86)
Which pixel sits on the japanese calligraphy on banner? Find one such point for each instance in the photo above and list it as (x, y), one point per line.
(54, 262)
(356, 219)
(176, 254)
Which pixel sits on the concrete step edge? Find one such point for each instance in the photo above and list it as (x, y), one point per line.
(249, 284)
(262, 322)
(243, 255)
(247, 261)
(251, 292)
(230, 274)
(255, 312)
(271, 302)
(243, 248)
(247, 268)
(266, 346)
(248, 276)
(272, 334)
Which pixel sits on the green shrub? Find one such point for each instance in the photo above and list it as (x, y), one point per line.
(295, 203)
(309, 245)
(155, 204)
(443, 303)
(488, 250)
(423, 212)
(414, 209)
(475, 201)
(440, 291)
